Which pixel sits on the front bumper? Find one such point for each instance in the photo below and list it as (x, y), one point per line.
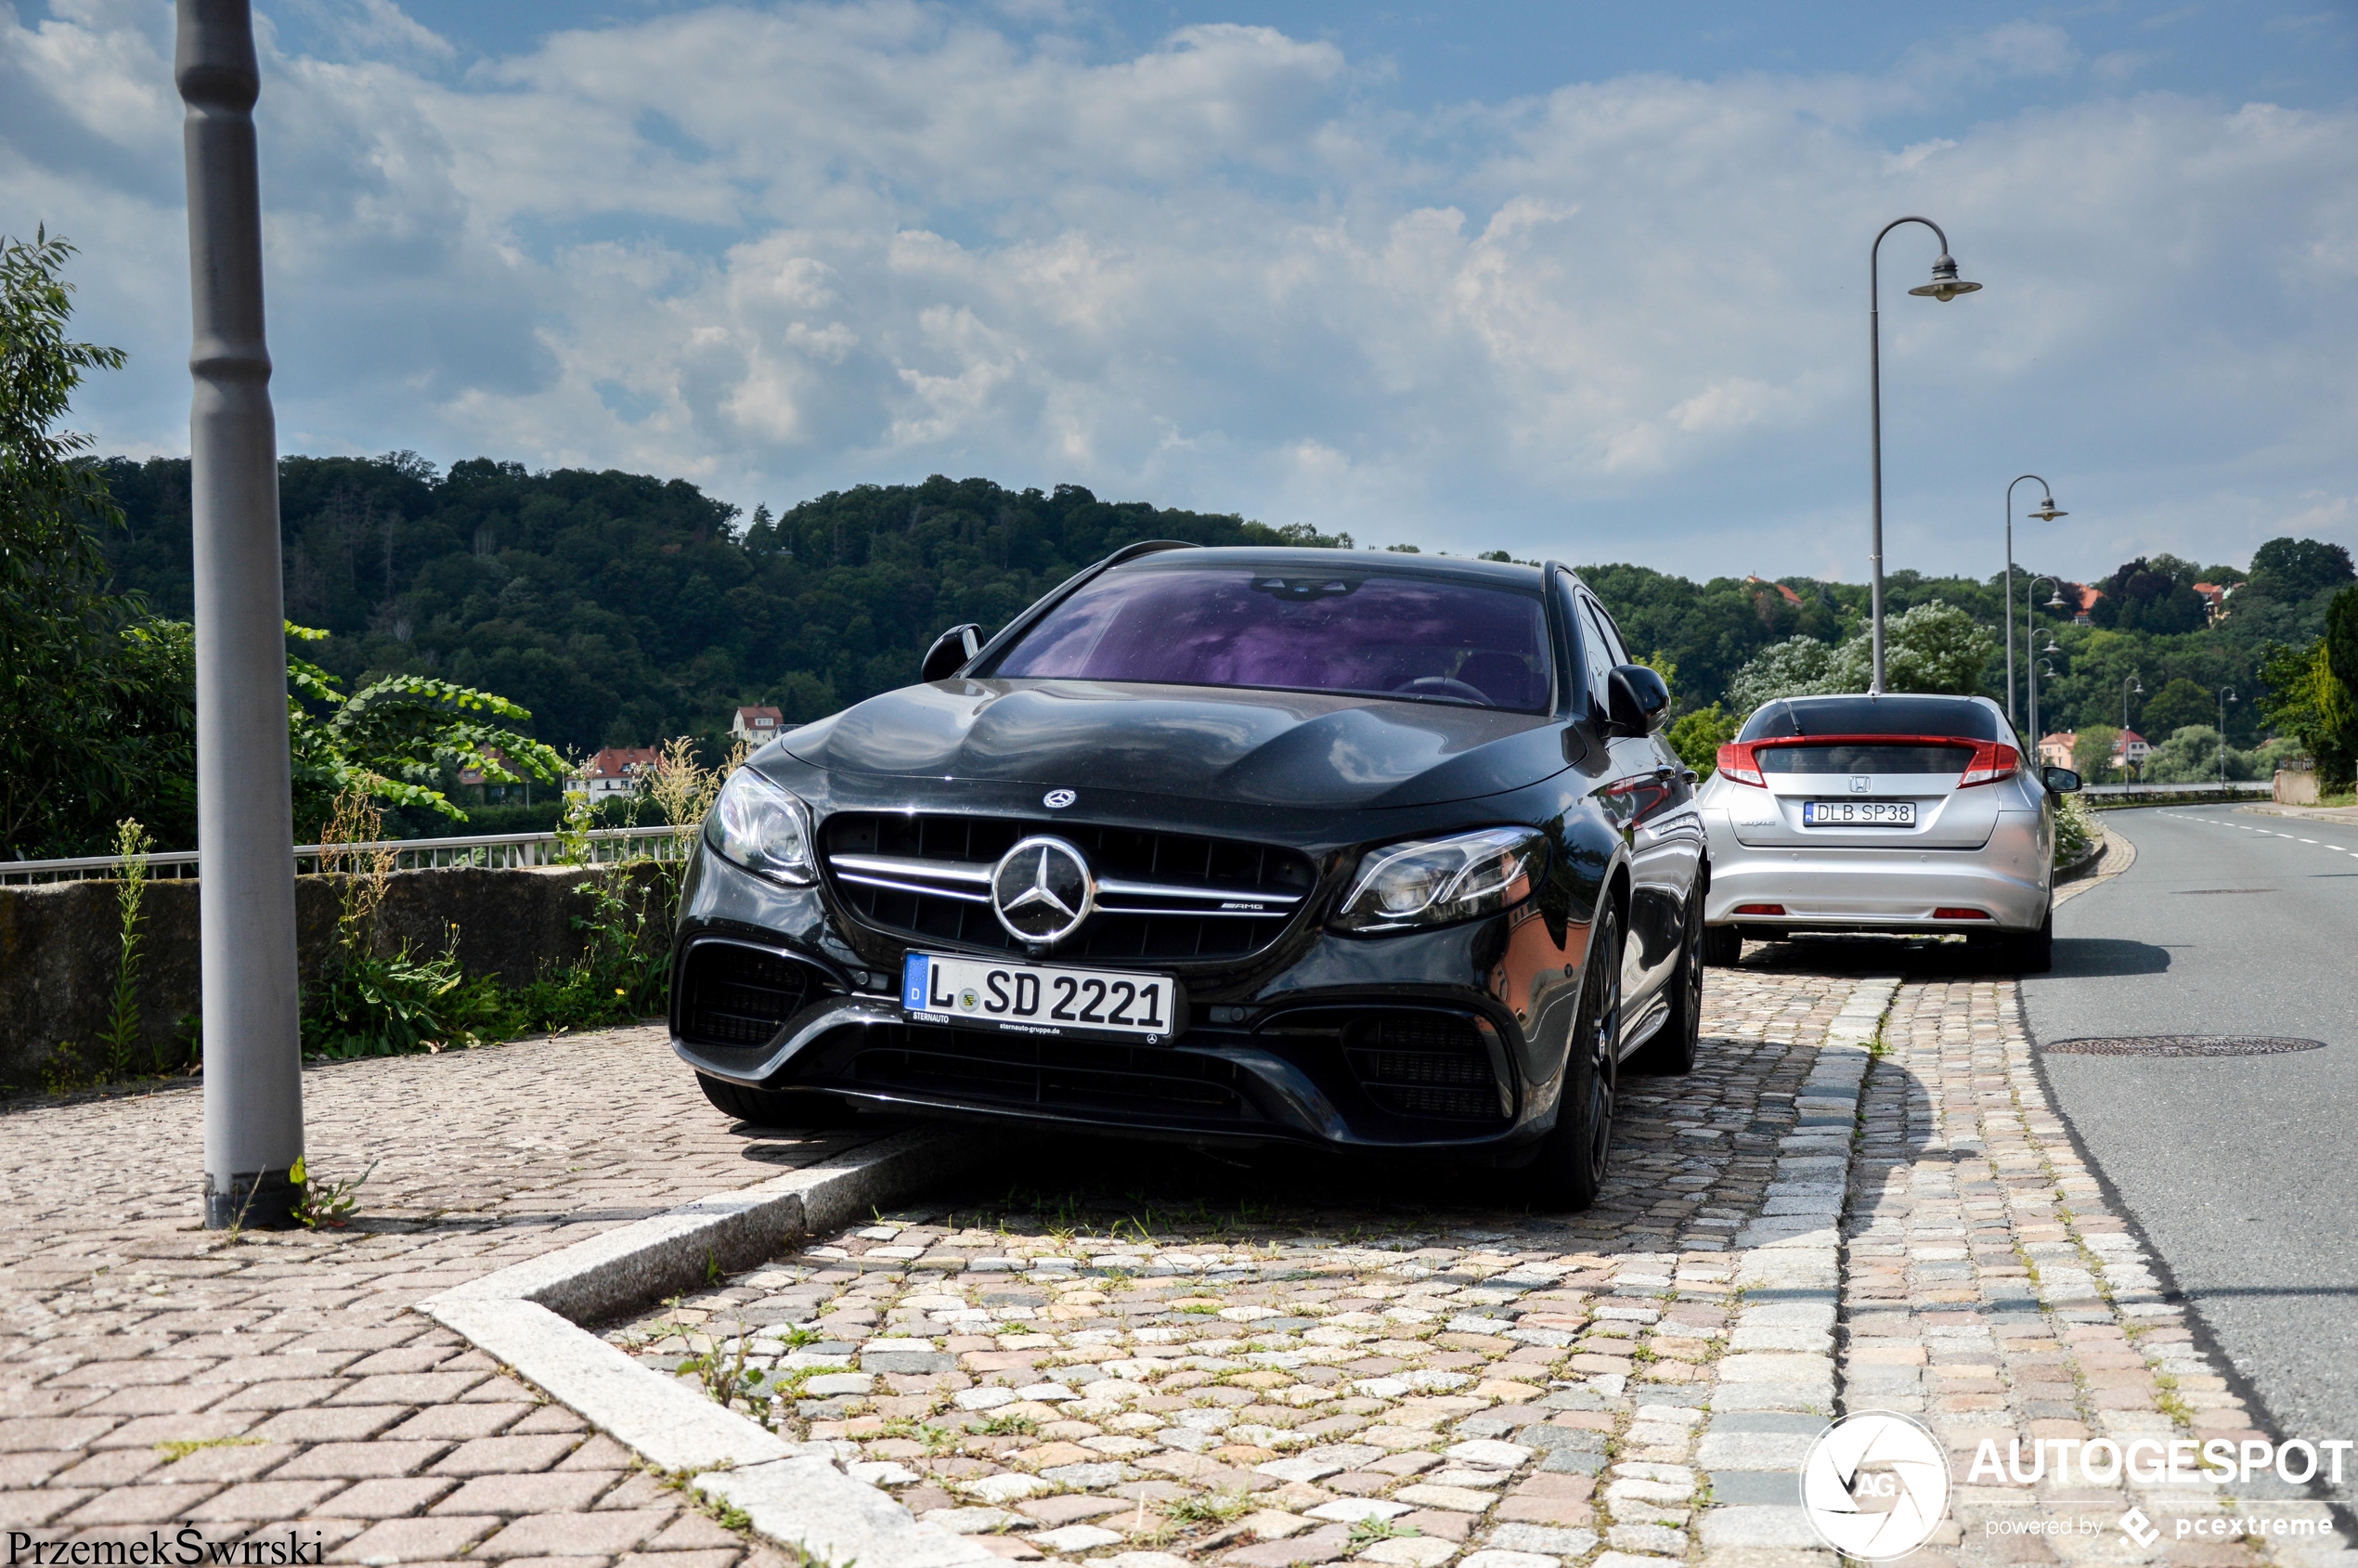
(1325, 1044)
(2010, 879)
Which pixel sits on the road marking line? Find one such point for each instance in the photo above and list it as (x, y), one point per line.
(2308, 841)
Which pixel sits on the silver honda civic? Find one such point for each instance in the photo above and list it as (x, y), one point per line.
(1894, 813)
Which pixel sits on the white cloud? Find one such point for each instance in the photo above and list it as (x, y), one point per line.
(781, 249)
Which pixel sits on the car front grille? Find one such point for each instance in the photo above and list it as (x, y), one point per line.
(976, 1068)
(1165, 897)
(735, 995)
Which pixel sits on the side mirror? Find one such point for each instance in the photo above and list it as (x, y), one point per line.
(2063, 781)
(950, 653)
(1636, 700)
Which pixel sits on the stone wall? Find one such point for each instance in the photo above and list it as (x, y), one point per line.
(59, 944)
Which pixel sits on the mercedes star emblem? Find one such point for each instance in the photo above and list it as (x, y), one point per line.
(1041, 891)
(1058, 799)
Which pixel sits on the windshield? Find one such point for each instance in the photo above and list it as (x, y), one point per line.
(1370, 633)
(1960, 718)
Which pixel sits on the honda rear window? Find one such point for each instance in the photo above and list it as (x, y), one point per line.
(1790, 717)
(1349, 630)
(1863, 758)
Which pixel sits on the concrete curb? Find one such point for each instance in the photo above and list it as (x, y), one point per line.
(1777, 1382)
(794, 1493)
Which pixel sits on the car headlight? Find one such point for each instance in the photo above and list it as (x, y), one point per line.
(762, 828)
(1436, 881)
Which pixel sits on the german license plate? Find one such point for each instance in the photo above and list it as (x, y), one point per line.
(1859, 813)
(1037, 999)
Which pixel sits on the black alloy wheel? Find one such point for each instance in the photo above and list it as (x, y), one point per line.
(1570, 1169)
(775, 1107)
(1672, 1050)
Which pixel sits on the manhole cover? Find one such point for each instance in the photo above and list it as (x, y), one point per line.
(2184, 1046)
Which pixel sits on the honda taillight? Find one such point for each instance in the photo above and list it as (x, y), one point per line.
(1990, 762)
(1737, 762)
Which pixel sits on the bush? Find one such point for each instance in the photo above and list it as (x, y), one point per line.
(2076, 830)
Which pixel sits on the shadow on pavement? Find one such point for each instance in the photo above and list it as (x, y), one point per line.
(2083, 957)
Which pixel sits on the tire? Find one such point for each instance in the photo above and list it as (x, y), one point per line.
(1671, 1053)
(1722, 946)
(2034, 952)
(775, 1107)
(1570, 1169)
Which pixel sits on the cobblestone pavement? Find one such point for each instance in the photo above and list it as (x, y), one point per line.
(1991, 1291)
(1136, 1353)
(153, 1374)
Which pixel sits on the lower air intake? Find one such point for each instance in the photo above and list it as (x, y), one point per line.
(732, 995)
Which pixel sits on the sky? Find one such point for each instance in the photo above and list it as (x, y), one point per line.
(1581, 281)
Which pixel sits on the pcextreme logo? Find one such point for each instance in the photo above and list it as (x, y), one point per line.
(1875, 1485)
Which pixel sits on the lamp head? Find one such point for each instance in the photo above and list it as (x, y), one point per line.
(2055, 600)
(2053, 647)
(1945, 285)
(2048, 511)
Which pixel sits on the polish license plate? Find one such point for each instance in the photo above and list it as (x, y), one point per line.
(1859, 813)
(1037, 999)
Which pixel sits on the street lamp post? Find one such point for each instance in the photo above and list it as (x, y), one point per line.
(2055, 601)
(2047, 512)
(2226, 695)
(2132, 684)
(1945, 286)
(246, 903)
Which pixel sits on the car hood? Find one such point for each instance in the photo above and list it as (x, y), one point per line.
(1252, 747)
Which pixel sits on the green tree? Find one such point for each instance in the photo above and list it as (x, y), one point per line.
(2306, 698)
(2289, 570)
(1697, 737)
(2176, 706)
(93, 694)
(398, 740)
(1934, 647)
(2092, 753)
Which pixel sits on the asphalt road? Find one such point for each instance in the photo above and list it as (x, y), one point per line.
(2242, 1170)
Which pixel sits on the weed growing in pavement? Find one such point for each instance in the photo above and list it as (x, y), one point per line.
(1207, 1507)
(1007, 1426)
(726, 1379)
(729, 1516)
(180, 1449)
(326, 1205)
(1367, 1532)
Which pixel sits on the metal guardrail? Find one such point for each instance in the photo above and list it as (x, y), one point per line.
(492, 851)
(2258, 788)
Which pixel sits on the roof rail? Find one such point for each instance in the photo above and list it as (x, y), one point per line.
(1148, 547)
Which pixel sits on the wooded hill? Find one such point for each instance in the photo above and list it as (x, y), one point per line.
(621, 608)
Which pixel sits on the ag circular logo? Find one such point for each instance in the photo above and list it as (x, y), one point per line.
(1058, 799)
(1875, 1485)
(1042, 890)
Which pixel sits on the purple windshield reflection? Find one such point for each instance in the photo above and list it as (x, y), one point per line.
(1364, 634)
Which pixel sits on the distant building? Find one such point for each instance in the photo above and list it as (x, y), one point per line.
(2086, 598)
(1789, 596)
(2214, 600)
(614, 770)
(2055, 750)
(756, 725)
(2131, 750)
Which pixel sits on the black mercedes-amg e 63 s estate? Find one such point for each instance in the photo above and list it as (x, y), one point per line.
(1379, 852)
